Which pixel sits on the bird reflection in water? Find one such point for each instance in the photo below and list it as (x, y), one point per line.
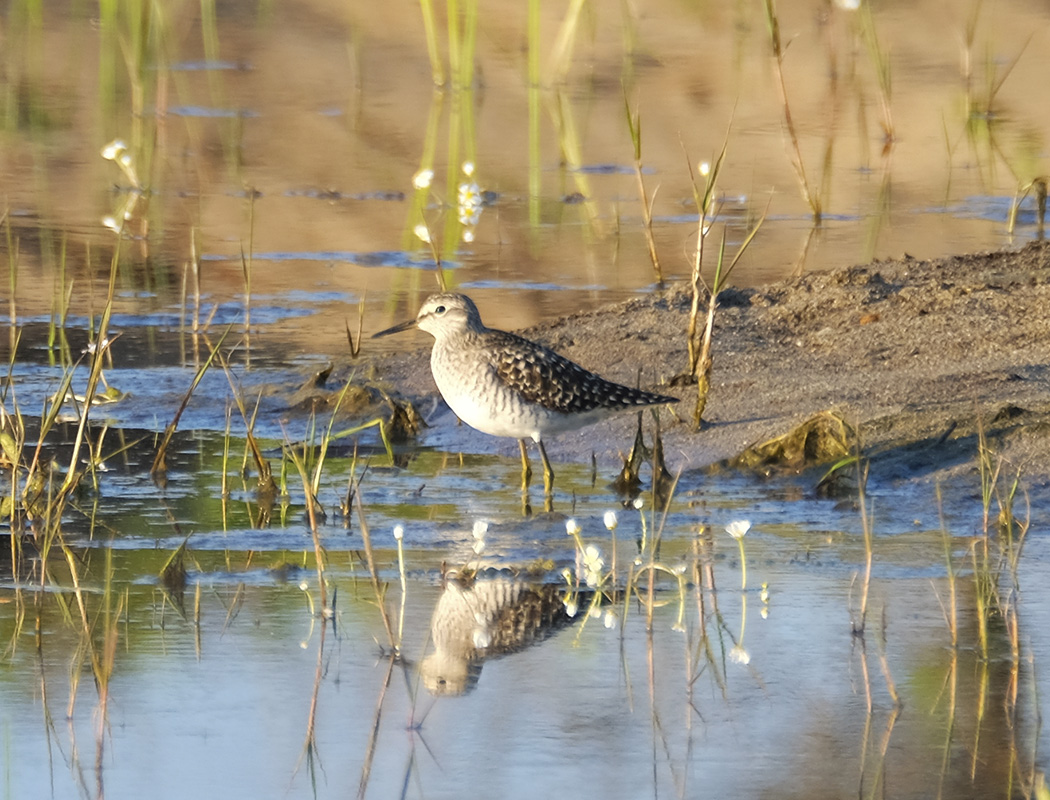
(488, 614)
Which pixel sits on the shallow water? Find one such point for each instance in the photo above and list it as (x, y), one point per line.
(222, 672)
(292, 132)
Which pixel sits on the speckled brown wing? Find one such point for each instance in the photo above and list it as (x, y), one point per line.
(542, 376)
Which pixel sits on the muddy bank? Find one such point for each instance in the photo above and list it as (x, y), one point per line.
(914, 354)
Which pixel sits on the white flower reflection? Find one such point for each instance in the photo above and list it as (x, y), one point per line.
(738, 655)
(593, 563)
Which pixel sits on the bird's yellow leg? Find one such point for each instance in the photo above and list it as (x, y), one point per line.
(526, 467)
(548, 473)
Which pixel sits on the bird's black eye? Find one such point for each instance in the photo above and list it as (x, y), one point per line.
(439, 310)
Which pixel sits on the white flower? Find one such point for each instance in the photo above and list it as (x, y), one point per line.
(422, 232)
(468, 236)
(399, 532)
(572, 527)
(468, 168)
(93, 346)
(469, 195)
(479, 546)
(638, 503)
(422, 179)
(481, 527)
(570, 607)
(764, 594)
(737, 528)
(764, 612)
(610, 520)
(468, 204)
(304, 586)
(111, 223)
(610, 619)
(113, 150)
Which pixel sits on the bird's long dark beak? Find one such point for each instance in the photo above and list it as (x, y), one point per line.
(404, 326)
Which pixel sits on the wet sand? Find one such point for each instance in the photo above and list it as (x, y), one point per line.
(916, 355)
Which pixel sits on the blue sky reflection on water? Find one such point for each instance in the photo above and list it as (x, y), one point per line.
(577, 708)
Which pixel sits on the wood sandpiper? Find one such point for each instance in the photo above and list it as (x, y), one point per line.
(506, 385)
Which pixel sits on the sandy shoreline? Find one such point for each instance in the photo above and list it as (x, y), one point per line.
(914, 354)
